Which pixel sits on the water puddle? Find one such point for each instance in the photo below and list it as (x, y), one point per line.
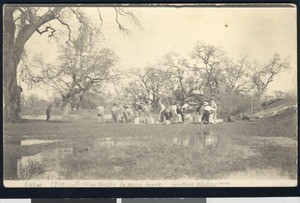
(275, 141)
(97, 157)
(35, 142)
(110, 142)
(43, 165)
(203, 140)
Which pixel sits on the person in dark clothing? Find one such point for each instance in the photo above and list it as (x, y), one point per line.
(180, 112)
(48, 112)
(206, 112)
(140, 109)
(199, 112)
(205, 117)
(167, 114)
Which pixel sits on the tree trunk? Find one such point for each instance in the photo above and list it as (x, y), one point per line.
(66, 106)
(67, 109)
(13, 48)
(12, 94)
(11, 59)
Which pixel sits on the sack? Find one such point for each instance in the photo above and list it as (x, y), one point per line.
(167, 122)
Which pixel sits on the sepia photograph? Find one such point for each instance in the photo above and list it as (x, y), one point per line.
(150, 95)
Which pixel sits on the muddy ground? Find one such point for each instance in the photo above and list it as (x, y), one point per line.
(85, 149)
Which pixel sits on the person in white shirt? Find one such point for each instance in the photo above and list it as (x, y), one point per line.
(214, 111)
(174, 113)
(100, 114)
(129, 111)
(162, 112)
(207, 110)
(185, 107)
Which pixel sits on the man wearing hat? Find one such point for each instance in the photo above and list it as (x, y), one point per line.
(114, 113)
(207, 111)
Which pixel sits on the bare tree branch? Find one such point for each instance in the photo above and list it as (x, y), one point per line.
(120, 26)
(69, 29)
(101, 20)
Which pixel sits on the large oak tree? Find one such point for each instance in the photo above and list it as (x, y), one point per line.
(19, 25)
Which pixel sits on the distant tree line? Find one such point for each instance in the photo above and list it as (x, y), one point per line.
(207, 72)
(86, 70)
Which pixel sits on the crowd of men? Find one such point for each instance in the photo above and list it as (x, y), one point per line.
(168, 114)
(203, 113)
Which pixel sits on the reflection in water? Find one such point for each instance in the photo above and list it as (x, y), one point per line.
(43, 165)
(206, 139)
(48, 164)
(211, 140)
(10, 158)
(203, 140)
(109, 142)
(33, 142)
(29, 165)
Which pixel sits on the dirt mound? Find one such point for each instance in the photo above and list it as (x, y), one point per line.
(275, 107)
(287, 111)
(272, 103)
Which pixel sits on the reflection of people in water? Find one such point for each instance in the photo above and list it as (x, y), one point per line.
(202, 140)
(211, 139)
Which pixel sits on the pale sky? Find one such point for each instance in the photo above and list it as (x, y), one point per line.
(256, 33)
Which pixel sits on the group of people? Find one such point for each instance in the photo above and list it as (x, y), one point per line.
(168, 114)
(127, 114)
(203, 113)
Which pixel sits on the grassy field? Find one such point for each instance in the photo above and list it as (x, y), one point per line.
(84, 149)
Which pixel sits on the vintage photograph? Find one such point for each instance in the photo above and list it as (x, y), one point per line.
(177, 95)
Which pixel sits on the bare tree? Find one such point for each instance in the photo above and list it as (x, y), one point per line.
(19, 24)
(208, 64)
(263, 75)
(135, 93)
(157, 83)
(236, 76)
(148, 85)
(80, 72)
(179, 71)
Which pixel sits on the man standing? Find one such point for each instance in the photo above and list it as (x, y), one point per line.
(199, 112)
(146, 110)
(162, 112)
(214, 111)
(180, 112)
(48, 112)
(174, 112)
(125, 113)
(207, 111)
(114, 113)
(100, 114)
(130, 114)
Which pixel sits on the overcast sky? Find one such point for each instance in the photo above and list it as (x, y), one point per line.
(256, 33)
